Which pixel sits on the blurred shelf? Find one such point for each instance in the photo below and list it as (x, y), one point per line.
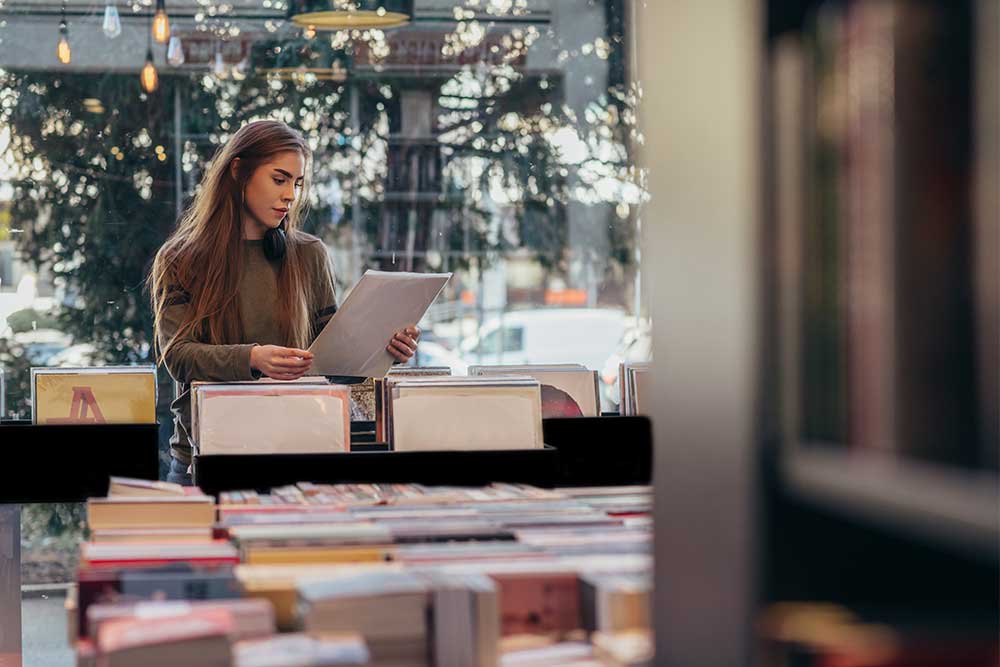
(949, 506)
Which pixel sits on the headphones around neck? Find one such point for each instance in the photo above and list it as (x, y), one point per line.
(275, 243)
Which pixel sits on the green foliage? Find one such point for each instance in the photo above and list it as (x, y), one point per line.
(96, 194)
(17, 373)
(66, 520)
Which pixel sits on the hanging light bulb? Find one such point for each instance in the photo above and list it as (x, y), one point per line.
(63, 52)
(161, 24)
(175, 52)
(239, 71)
(149, 79)
(219, 68)
(112, 22)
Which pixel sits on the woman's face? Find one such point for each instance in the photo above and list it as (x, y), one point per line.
(271, 192)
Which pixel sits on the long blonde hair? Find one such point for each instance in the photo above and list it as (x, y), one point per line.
(203, 258)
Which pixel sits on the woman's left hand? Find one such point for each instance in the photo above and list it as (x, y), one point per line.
(404, 343)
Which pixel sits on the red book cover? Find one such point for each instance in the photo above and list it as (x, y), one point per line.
(148, 554)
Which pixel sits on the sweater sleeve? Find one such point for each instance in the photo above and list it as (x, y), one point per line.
(188, 360)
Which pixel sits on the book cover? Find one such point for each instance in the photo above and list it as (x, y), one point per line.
(106, 395)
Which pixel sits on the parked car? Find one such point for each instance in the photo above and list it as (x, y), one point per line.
(547, 336)
(80, 355)
(40, 345)
(432, 353)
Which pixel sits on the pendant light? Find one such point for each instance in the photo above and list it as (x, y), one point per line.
(112, 25)
(148, 78)
(63, 52)
(219, 65)
(161, 24)
(175, 52)
(349, 14)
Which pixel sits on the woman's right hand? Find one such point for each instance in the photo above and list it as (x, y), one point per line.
(280, 363)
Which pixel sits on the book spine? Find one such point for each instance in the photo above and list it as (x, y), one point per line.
(822, 365)
(869, 217)
(789, 113)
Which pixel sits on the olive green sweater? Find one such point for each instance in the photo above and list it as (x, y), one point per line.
(190, 360)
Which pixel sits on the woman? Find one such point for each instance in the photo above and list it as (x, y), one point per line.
(238, 290)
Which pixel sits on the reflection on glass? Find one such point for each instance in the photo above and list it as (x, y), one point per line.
(112, 25)
(175, 52)
(495, 143)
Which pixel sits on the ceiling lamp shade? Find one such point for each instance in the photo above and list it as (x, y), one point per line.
(175, 52)
(350, 14)
(301, 60)
(112, 25)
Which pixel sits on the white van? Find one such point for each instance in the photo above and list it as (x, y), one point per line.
(548, 336)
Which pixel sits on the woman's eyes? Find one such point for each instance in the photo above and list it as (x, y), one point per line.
(282, 181)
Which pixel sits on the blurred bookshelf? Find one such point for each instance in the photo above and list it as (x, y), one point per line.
(881, 289)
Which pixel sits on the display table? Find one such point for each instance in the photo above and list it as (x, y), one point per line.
(75, 462)
(366, 463)
(584, 451)
(601, 451)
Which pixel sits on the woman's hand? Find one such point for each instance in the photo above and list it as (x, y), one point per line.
(404, 343)
(280, 363)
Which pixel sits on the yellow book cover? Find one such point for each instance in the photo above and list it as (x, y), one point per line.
(67, 396)
(305, 554)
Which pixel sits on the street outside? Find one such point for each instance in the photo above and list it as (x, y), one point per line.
(43, 631)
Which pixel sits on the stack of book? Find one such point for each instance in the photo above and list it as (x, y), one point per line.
(381, 391)
(301, 650)
(467, 620)
(390, 609)
(615, 602)
(634, 385)
(200, 637)
(631, 648)
(536, 545)
(154, 540)
(463, 413)
(411, 574)
(242, 417)
(149, 512)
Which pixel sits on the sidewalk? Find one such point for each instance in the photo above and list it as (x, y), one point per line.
(43, 630)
